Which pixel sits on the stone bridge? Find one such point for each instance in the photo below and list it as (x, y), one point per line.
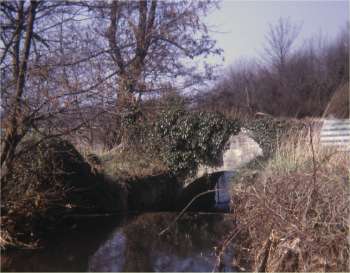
(241, 150)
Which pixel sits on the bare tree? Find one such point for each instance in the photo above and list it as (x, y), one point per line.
(54, 67)
(40, 86)
(16, 125)
(295, 82)
(151, 44)
(280, 41)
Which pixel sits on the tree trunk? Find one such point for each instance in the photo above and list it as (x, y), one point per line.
(127, 108)
(15, 126)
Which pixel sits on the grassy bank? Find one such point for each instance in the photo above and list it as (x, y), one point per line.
(294, 212)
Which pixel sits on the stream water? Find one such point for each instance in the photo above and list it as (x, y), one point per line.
(104, 244)
(135, 243)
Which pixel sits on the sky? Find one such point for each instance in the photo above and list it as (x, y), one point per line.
(240, 26)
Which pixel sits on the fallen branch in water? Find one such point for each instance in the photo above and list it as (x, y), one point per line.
(184, 210)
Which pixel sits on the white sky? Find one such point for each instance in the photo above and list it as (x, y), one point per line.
(242, 25)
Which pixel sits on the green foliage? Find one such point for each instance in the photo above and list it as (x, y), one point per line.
(188, 139)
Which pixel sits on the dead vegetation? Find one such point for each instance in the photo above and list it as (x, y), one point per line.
(131, 163)
(295, 212)
(50, 180)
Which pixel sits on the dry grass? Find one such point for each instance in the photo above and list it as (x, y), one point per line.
(295, 154)
(297, 208)
(133, 162)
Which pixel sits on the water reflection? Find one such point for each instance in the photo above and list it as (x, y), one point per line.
(110, 256)
(189, 246)
(136, 246)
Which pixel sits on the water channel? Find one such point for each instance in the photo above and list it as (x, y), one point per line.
(133, 244)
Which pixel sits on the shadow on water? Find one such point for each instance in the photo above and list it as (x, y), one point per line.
(105, 244)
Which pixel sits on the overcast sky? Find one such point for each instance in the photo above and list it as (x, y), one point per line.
(242, 25)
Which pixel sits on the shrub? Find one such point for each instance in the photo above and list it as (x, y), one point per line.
(49, 180)
(53, 164)
(188, 139)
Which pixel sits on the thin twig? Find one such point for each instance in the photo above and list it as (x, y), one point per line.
(184, 210)
(314, 164)
(314, 179)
